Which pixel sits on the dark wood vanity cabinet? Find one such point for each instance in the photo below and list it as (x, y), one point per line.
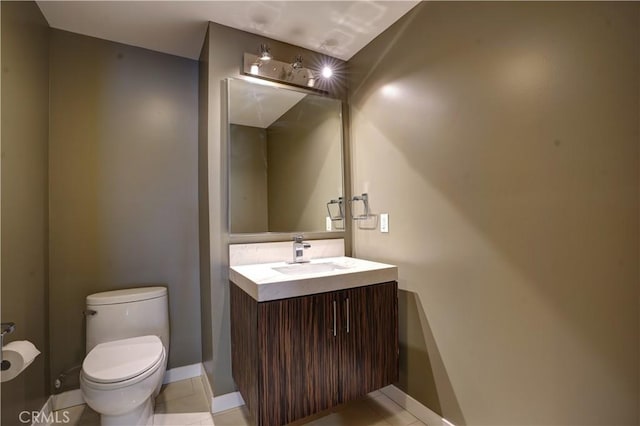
(369, 348)
(295, 357)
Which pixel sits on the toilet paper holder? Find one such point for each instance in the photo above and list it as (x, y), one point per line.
(7, 328)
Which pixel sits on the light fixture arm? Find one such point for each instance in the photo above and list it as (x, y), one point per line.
(265, 53)
(297, 62)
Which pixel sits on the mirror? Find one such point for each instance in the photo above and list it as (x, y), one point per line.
(285, 159)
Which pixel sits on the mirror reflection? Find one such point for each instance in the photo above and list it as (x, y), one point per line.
(285, 151)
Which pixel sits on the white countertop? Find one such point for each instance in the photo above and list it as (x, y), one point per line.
(264, 283)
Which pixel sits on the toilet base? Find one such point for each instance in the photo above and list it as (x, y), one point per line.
(141, 416)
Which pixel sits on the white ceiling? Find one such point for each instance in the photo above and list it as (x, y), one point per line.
(259, 105)
(337, 28)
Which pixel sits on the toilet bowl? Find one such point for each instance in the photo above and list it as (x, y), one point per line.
(119, 379)
(127, 344)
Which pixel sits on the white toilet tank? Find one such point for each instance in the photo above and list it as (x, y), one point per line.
(132, 312)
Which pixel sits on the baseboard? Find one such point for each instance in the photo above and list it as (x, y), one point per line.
(421, 412)
(44, 415)
(226, 402)
(207, 388)
(223, 402)
(182, 373)
(67, 399)
(74, 397)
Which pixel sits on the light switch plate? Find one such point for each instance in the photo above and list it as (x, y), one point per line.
(384, 222)
(328, 223)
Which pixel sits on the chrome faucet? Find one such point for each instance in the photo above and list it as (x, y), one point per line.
(298, 249)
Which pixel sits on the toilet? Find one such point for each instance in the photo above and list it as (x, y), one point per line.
(127, 350)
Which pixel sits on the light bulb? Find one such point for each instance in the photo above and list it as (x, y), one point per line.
(327, 72)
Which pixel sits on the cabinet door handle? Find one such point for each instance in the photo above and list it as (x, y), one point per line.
(347, 315)
(334, 318)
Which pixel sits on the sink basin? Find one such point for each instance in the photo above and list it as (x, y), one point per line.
(308, 268)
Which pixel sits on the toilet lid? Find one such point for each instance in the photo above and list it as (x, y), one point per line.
(121, 360)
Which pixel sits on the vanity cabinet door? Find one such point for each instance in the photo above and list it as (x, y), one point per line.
(369, 339)
(298, 363)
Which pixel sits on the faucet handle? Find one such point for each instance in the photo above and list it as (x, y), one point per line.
(298, 238)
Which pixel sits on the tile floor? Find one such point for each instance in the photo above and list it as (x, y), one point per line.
(184, 403)
(374, 409)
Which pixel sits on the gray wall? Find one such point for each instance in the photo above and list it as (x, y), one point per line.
(248, 179)
(304, 149)
(24, 125)
(502, 138)
(206, 314)
(223, 58)
(123, 186)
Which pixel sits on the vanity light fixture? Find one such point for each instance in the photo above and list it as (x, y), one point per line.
(264, 56)
(295, 72)
(265, 53)
(296, 66)
(297, 62)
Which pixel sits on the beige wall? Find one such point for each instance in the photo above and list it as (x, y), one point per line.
(223, 56)
(24, 124)
(123, 186)
(248, 179)
(503, 140)
(304, 148)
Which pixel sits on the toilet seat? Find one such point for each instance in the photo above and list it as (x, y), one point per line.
(123, 362)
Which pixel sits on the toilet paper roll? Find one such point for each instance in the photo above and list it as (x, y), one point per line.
(19, 354)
